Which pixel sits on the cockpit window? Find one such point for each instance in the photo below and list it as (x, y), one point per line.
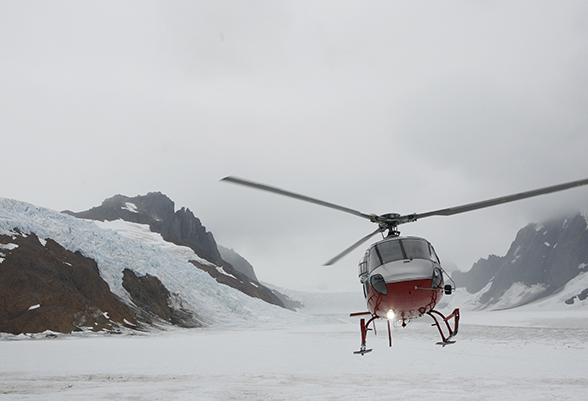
(399, 249)
(375, 259)
(433, 254)
(390, 251)
(416, 249)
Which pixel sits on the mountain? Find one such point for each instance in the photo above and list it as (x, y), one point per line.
(182, 228)
(66, 274)
(238, 262)
(543, 261)
(158, 212)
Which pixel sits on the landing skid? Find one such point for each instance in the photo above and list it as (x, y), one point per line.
(362, 351)
(363, 326)
(444, 343)
(451, 332)
(437, 316)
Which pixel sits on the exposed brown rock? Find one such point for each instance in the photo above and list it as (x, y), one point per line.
(149, 294)
(46, 287)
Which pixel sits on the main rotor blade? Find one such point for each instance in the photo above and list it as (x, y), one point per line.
(263, 187)
(352, 247)
(498, 201)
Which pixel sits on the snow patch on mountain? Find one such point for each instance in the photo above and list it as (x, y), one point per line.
(518, 294)
(143, 234)
(568, 298)
(6, 247)
(131, 207)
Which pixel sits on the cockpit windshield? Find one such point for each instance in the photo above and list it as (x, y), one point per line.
(416, 249)
(400, 249)
(390, 251)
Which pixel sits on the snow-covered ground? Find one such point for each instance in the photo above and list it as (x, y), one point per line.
(499, 355)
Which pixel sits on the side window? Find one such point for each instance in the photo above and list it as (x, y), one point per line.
(374, 259)
(363, 265)
(433, 254)
(378, 284)
(437, 279)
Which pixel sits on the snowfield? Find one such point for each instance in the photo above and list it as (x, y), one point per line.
(503, 355)
(255, 351)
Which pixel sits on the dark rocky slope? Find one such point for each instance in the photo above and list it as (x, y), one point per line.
(238, 262)
(151, 296)
(45, 287)
(546, 255)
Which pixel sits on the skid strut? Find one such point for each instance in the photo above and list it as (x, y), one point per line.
(451, 332)
(364, 327)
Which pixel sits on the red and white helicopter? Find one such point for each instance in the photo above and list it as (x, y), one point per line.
(402, 277)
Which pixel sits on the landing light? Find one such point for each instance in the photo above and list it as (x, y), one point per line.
(390, 315)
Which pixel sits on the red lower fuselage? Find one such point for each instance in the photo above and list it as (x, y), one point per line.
(406, 299)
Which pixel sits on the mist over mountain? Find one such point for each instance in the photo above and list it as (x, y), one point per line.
(238, 262)
(543, 260)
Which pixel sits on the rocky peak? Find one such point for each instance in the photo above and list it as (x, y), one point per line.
(158, 211)
(543, 256)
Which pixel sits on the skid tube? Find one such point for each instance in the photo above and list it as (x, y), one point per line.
(364, 328)
(452, 332)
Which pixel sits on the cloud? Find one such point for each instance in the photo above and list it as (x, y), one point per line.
(382, 107)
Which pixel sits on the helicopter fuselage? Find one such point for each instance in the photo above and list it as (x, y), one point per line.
(402, 278)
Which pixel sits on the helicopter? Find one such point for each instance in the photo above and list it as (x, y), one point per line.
(402, 277)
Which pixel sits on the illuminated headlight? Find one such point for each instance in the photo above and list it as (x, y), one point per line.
(390, 315)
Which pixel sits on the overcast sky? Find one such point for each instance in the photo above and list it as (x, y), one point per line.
(381, 106)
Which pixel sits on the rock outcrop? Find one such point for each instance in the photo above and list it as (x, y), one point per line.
(239, 281)
(45, 287)
(238, 262)
(479, 275)
(151, 296)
